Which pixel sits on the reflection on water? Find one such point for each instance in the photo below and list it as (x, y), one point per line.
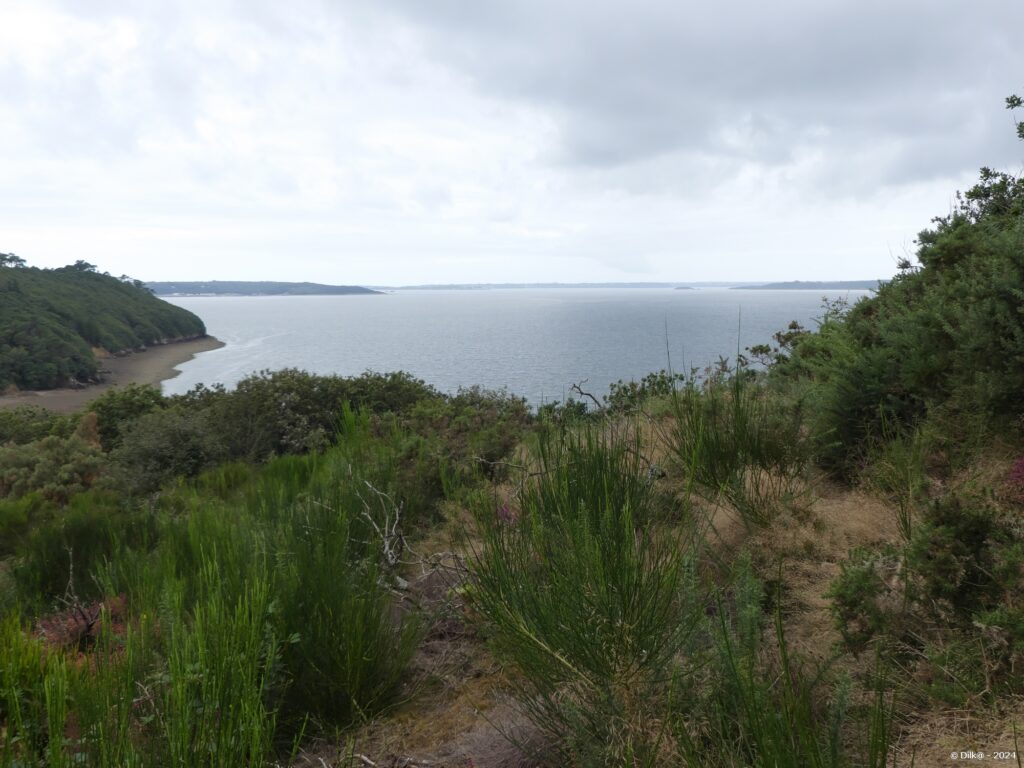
(534, 342)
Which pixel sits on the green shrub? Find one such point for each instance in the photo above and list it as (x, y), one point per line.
(585, 596)
(943, 336)
(55, 467)
(628, 396)
(29, 423)
(732, 437)
(163, 445)
(117, 408)
(954, 584)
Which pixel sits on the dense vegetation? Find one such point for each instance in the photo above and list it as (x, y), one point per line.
(226, 578)
(51, 320)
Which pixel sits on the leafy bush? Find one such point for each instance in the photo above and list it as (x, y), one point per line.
(28, 423)
(116, 408)
(291, 411)
(55, 467)
(956, 582)
(945, 336)
(162, 445)
(629, 395)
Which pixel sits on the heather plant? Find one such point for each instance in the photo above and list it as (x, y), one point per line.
(1014, 484)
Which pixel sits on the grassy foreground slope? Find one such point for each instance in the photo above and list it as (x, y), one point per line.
(51, 320)
(821, 564)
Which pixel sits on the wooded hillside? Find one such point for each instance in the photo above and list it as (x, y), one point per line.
(51, 320)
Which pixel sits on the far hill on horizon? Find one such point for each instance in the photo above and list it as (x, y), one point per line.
(815, 285)
(253, 288)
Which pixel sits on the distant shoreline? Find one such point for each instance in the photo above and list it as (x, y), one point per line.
(154, 365)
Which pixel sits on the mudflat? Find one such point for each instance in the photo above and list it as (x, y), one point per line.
(151, 366)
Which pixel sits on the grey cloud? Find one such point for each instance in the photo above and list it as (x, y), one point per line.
(627, 82)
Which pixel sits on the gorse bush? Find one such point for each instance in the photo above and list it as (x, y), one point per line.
(943, 338)
(955, 583)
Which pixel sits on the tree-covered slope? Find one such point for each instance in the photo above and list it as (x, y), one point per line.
(52, 319)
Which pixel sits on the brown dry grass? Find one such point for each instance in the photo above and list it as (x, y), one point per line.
(456, 713)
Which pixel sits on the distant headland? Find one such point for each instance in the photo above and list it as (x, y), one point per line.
(254, 288)
(815, 285)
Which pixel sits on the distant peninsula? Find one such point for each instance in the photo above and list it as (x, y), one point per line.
(815, 285)
(257, 288)
(509, 286)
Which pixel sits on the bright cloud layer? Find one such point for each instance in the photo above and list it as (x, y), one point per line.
(406, 142)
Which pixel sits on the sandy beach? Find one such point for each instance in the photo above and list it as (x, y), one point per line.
(152, 366)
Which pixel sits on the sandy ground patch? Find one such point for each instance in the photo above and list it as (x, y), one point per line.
(152, 366)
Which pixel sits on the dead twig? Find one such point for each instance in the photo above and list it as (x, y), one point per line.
(578, 389)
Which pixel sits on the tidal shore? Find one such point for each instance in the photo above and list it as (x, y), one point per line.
(150, 366)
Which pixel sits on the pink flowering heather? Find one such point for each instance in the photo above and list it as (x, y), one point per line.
(507, 514)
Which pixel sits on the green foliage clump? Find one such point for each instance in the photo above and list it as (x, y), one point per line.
(626, 396)
(582, 596)
(55, 467)
(944, 339)
(292, 411)
(258, 608)
(163, 445)
(733, 438)
(955, 583)
(116, 408)
(52, 319)
(26, 424)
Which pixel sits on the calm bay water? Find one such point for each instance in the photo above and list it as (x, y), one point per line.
(533, 342)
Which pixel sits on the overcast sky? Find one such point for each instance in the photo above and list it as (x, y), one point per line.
(428, 141)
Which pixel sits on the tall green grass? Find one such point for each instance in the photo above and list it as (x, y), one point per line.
(259, 605)
(763, 707)
(733, 439)
(897, 468)
(620, 651)
(582, 595)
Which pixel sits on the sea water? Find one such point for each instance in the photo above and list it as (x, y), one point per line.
(535, 343)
